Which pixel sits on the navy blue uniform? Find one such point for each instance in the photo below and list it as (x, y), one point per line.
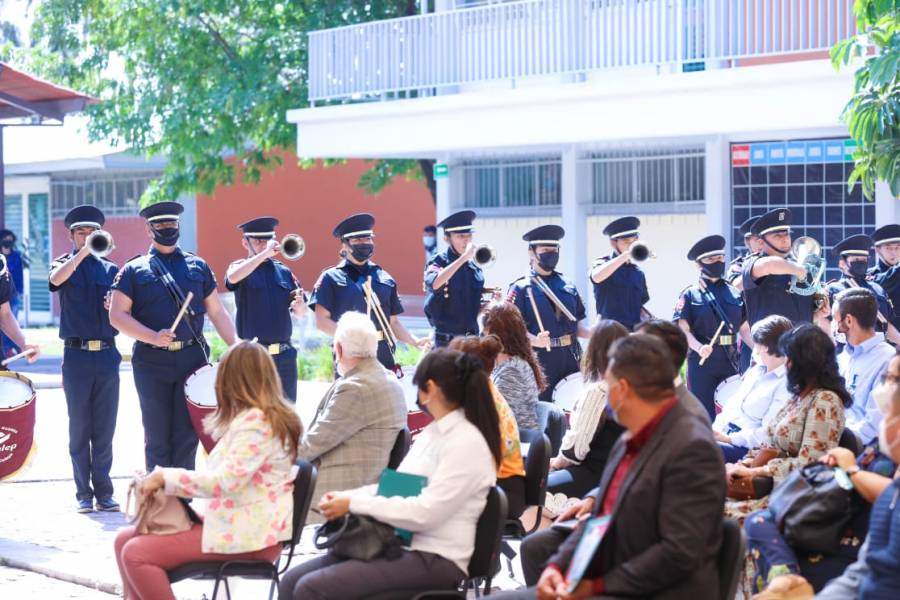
(885, 306)
(888, 278)
(696, 307)
(734, 273)
(769, 296)
(453, 309)
(263, 301)
(564, 357)
(621, 295)
(90, 371)
(340, 289)
(159, 374)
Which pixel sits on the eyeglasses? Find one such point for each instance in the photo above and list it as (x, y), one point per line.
(888, 377)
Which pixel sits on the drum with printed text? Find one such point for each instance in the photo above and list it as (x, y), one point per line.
(200, 395)
(17, 418)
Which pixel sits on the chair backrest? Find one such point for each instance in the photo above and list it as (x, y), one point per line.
(731, 558)
(304, 486)
(850, 442)
(401, 447)
(537, 467)
(488, 534)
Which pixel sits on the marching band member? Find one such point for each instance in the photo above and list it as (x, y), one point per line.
(9, 326)
(767, 276)
(711, 314)
(454, 283)
(266, 293)
(356, 283)
(148, 294)
(551, 307)
(91, 361)
(853, 261)
(754, 246)
(886, 271)
(620, 288)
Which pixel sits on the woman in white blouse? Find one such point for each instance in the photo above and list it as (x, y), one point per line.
(458, 453)
(577, 468)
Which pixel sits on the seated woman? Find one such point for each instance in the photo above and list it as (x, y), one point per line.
(518, 374)
(763, 391)
(511, 473)
(577, 468)
(808, 425)
(871, 474)
(249, 477)
(459, 453)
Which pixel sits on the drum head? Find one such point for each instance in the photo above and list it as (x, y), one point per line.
(15, 390)
(200, 387)
(567, 390)
(727, 389)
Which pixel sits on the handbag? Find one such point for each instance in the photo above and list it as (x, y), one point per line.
(750, 488)
(358, 537)
(813, 507)
(158, 513)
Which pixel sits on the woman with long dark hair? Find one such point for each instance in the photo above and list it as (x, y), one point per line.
(458, 453)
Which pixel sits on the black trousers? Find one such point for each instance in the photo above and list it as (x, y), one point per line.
(286, 365)
(159, 376)
(91, 386)
(703, 380)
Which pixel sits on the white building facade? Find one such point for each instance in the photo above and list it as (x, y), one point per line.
(690, 114)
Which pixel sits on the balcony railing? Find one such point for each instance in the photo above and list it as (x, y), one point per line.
(513, 40)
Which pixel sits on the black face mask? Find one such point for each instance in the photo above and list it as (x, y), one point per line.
(7, 243)
(362, 252)
(548, 260)
(166, 237)
(714, 270)
(858, 269)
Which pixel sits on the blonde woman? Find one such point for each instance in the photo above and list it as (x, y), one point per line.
(249, 479)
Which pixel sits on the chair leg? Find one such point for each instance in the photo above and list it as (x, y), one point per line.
(216, 588)
(487, 586)
(227, 589)
(273, 586)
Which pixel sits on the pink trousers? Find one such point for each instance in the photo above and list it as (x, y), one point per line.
(144, 559)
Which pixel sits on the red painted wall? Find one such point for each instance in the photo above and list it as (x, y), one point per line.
(310, 203)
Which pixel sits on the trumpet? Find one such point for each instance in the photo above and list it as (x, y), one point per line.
(640, 252)
(484, 255)
(807, 253)
(293, 247)
(100, 243)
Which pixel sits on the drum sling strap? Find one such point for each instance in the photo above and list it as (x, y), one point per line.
(178, 298)
(720, 314)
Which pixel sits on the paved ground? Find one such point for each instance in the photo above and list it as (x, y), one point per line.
(39, 530)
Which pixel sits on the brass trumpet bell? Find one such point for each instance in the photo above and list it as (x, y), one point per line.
(640, 252)
(484, 255)
(100, 243)
(293, 247)
(807, 253)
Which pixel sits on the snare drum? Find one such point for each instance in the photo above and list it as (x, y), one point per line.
(567, 390)
(726, 390)
(17, 417)
(200, 395)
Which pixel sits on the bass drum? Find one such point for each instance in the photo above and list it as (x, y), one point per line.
(726, 390)
(567, 390)
(17, 418)
(200, 395)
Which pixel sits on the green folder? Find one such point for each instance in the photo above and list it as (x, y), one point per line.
(393, 483)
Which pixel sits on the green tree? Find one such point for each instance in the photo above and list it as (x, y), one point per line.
(873, 113)
(205, 83)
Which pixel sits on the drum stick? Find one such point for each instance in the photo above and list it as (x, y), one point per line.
(184, 307)
(713, 340)
(16, 357)
(553, 298)
(537, 315)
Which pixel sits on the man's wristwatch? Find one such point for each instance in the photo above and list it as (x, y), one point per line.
(852, 470)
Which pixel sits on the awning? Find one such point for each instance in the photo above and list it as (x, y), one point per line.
(25, 96)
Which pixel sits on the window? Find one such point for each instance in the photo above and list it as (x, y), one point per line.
(810, 178)
(662, 178)
(115, 194)
(517, 183)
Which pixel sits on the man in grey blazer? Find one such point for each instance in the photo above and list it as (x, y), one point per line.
(357, 422)
(663, 488)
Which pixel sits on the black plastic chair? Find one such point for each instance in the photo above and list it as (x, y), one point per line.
(731, 558)
(488, 534)
(219, 571)
(537, 468)
(401, 447)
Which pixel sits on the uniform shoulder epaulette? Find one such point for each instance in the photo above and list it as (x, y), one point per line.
(686, 288)
(517, 280)
(134, 258)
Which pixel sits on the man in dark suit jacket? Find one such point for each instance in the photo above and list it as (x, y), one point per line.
(663, 487)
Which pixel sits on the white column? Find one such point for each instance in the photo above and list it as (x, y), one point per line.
(887, 207)
(445, 201)
(574, 220)
(718, 190)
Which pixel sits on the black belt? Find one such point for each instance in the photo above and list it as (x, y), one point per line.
(276, 347)
(173, 347)
(446, 337)
(89, 345)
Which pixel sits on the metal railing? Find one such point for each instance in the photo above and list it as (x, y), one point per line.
(432, 53)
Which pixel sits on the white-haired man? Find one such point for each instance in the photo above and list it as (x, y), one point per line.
(357, 422)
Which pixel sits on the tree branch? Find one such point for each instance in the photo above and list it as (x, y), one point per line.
(220, 41)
